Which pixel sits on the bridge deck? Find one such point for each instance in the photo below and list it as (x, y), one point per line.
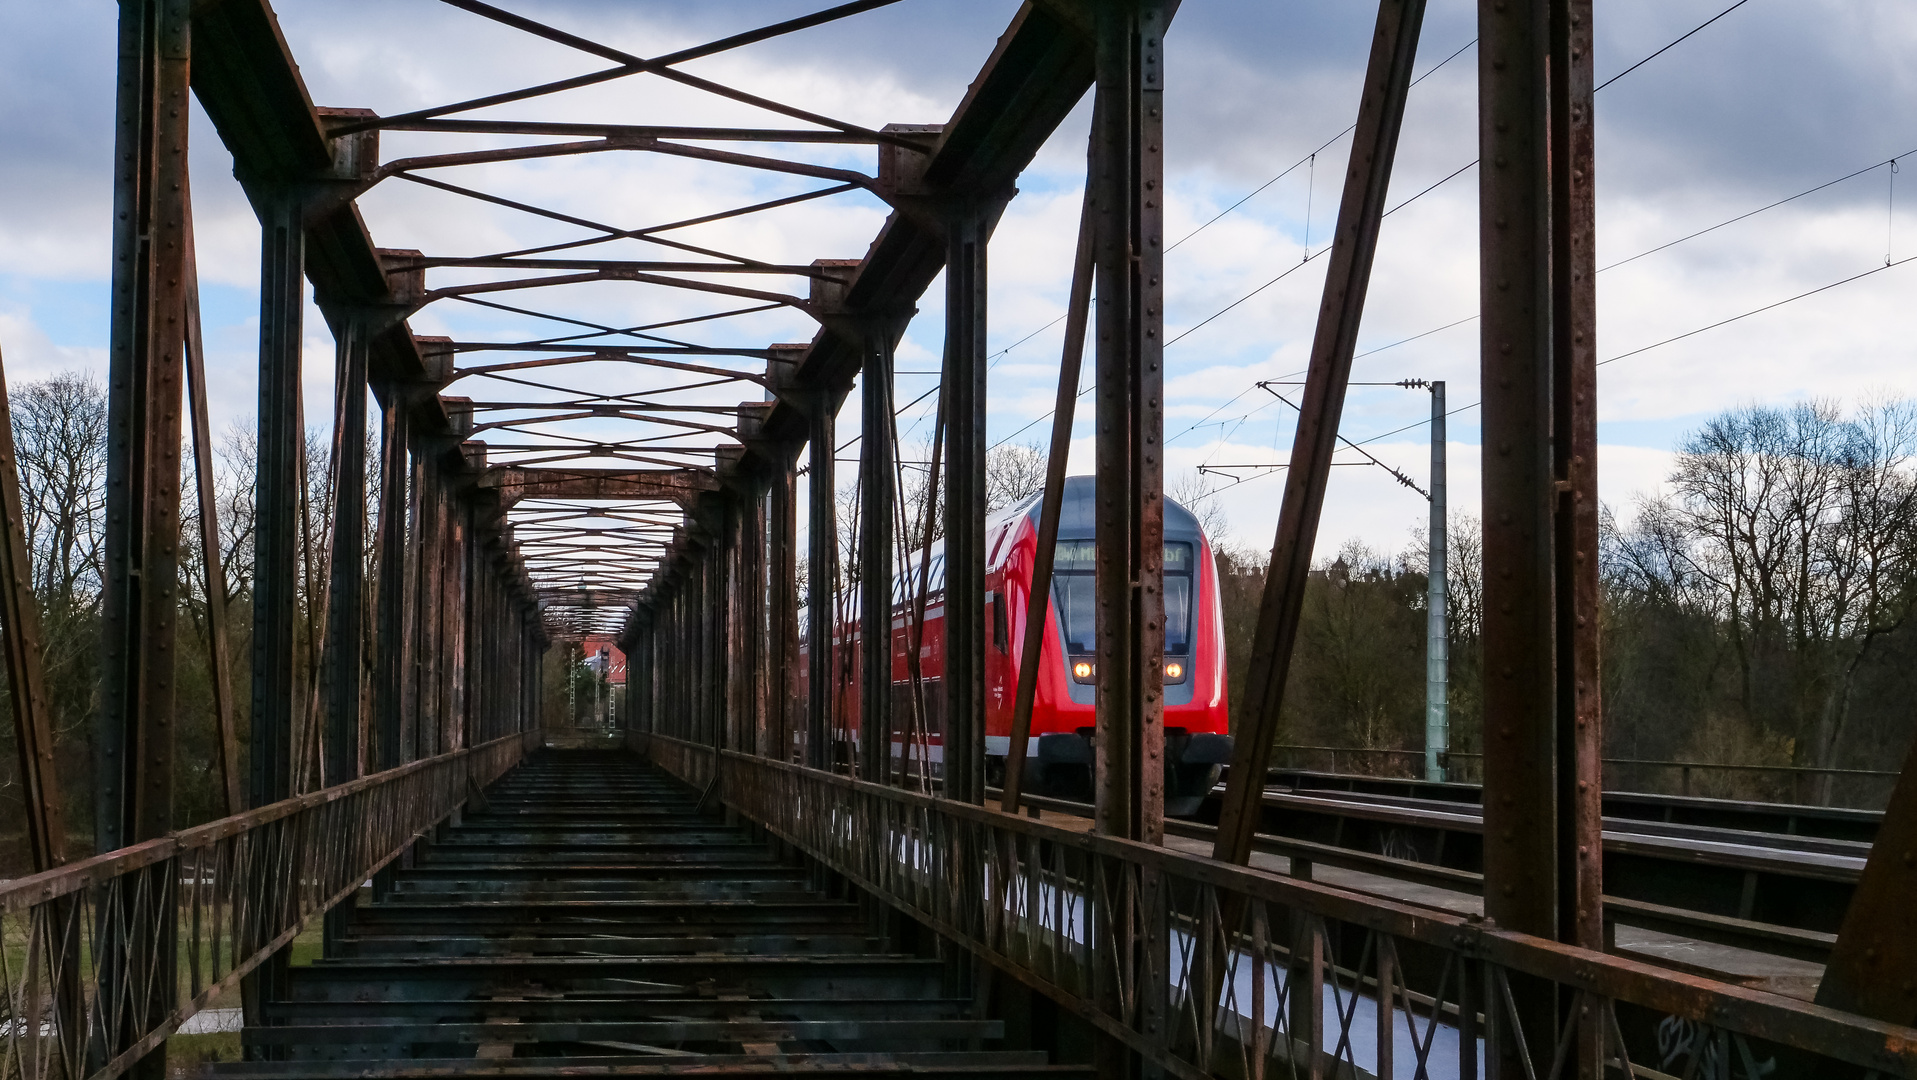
(589, 916)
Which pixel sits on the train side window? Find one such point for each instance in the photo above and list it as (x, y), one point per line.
(1001, 635)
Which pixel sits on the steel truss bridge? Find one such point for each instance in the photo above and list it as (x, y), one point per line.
(713, 889)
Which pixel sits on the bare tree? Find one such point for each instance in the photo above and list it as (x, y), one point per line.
(1195, 495)
(1014, 472)
(237, 486)
(1795, 530)
(60, 436)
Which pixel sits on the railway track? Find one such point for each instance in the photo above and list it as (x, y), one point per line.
(1762, 879)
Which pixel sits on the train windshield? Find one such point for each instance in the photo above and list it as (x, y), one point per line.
(1072, 592)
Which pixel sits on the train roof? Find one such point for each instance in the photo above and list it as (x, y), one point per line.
(1077, 518)
(1076, 521)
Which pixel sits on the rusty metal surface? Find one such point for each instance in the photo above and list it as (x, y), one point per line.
(1873, 966)
(1521, 815)
(344, 667)
(591, 911)
(878, 505)
(226, 895)
(969, 227)
(1035, 920)
(145, 385)
(503, 528)
(1124, 192)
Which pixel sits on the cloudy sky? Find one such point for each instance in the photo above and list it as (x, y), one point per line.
(1775, 98)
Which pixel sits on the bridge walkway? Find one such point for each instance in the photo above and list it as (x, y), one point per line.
(589, 915)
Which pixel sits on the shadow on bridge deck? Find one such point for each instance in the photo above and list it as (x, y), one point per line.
(588, 916)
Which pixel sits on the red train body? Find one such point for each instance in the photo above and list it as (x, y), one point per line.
(1059, 753)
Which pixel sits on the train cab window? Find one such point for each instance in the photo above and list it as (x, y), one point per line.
(1073, 587)
(1073, 593)
(1178, 594)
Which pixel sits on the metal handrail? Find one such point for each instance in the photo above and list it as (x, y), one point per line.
(1123, 933)
(104, 958)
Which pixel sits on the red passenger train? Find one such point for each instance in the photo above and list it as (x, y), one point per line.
(1059, 755)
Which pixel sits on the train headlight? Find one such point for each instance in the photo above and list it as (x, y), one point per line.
(1174, 670)
(1082, 670)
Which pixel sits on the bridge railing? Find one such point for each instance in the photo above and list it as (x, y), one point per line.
(1209, 969)
(104, 958)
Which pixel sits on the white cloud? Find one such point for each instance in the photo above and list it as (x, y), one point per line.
(29, 354)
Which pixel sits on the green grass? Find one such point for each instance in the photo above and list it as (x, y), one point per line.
(309, 945)
(184, 1053)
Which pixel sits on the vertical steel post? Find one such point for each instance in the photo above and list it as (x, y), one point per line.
(782, 578)
(135, 737)
(877, 498)
(1520, 853)
(1125, 193)
(424, 673)
(759, 631)
(1127, 177)
(1579, 714)
(343, 661)
(392, 654)
(738, 684)
(455, 599)
(346, 607)
(1574, 467)
(1437, 646)
(1542, 733)
(281, 445)
(1394, 46)
(144, 395)
(821, 539)
(276, 557)
(969, 229)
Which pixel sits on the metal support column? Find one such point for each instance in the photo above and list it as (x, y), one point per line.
(1126, 198)
(346, 607)
(1394, 46)
(969, 230)
(878, 496)
(144, 396)
(1580, 717)
(821, 565)
(782, 584)
(1520, 851)
(135, 738)
(1542, 724)
(392, 655)
(1127, 177)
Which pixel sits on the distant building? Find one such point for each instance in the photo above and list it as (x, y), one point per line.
(605, 658)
